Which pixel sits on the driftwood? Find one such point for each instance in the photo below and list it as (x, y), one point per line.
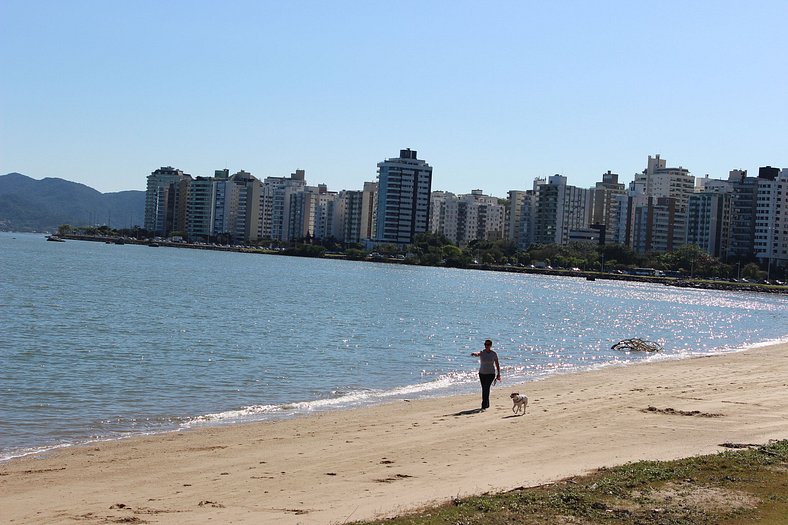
(637, 345)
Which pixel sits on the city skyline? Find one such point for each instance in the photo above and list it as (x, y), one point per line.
(527, 184)
(501, 93)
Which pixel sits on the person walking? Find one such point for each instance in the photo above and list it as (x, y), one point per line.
(489, 371)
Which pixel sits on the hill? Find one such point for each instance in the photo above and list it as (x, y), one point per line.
(28, 204)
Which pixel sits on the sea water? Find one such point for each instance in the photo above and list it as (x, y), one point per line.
(101, 341)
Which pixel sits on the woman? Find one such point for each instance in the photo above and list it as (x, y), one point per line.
(489, 371)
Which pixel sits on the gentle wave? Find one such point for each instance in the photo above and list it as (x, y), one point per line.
(445, 385)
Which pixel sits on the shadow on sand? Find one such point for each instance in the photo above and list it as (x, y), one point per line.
(468, 412)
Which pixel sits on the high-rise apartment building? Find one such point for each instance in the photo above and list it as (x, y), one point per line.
(369, 206)
(165, 201)
(444, 210)
(299, 218)
(276, 204)
(514, 214)
(354, 214)
(347, 216)
(606, 203)
(654, 229)
(310, 213)
(404, 186)
(657, 191)
(490, 216)
(248, 191)
(742, 215)
(556, 210)
(709, 220)
(223, 208)
(466, 218)
(201, 209)
(771, 216)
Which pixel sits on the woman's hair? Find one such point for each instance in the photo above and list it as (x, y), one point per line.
(487, 342)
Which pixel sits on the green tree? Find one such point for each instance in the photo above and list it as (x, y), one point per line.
(622, 255)
(453, 256)
(305, 250)
(751, 271)
(388, 249)
(690, 259)
(355, 254)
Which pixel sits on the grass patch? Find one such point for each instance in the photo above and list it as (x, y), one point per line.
(736, 487)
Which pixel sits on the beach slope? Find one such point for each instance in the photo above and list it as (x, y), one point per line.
(385, 460)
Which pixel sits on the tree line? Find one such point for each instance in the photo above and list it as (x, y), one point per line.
(434, 249)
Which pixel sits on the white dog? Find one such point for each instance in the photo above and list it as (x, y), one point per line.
(520, 402)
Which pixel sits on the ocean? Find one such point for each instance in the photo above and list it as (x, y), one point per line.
(103, 341)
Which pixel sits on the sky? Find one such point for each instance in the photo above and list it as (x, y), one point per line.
(491, 94)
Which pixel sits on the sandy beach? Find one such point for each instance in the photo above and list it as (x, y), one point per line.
(385, 460)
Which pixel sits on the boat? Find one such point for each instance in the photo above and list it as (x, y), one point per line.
(55, 238)
(153, 244)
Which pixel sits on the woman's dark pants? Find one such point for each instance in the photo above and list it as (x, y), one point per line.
(487, 381)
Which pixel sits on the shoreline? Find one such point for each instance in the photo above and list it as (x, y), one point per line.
(384, 459)
(683, 282)
(200, 422)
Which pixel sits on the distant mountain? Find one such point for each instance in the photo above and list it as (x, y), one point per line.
(42, 205)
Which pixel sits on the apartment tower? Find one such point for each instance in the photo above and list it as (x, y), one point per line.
(404, 186)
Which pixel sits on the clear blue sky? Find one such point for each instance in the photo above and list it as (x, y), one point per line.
(491, 94)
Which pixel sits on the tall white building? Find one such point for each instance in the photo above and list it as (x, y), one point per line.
(771, 216)
(325, 203)
(223, 208)
(466, 218)
(444, 213)
(659, 197)
(276, 204)
(490, 216)
(404, 186)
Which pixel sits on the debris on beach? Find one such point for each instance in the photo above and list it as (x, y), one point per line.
(637, 345)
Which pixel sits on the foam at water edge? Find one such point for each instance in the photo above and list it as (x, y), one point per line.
(445, 384)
